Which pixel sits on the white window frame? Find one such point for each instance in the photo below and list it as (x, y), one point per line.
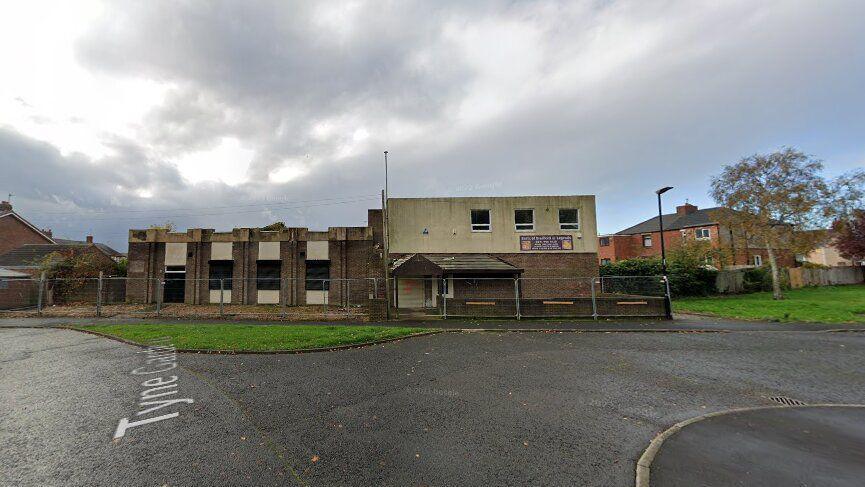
(699, 233)
(517, 225)
(758, 260)
(651, 241)
(488, 225)
(576, 224)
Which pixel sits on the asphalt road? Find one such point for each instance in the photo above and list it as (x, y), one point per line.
(451, 409)
(810, 446)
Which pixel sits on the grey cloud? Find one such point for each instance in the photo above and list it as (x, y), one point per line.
(695, 86)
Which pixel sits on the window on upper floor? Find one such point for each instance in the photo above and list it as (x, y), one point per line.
(524, 220)
(481, 221)
(569, 219)
(758, 260)
(703, 233)
(604, 241)
(647, 240)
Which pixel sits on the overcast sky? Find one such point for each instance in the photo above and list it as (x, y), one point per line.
(221, 114)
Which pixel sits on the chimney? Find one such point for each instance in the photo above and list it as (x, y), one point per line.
(686, 209)
(47, 231)
(5, 206)
(90, 239)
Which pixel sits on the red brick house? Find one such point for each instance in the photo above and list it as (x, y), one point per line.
(689, 222)
(16, 232)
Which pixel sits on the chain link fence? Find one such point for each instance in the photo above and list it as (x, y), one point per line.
(362, 299)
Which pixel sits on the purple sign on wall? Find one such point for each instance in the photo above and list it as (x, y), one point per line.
(546, 242)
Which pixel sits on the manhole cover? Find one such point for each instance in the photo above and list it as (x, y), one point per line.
(787, 401)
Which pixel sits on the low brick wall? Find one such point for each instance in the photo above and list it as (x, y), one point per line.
(557, 307)
(18, 293)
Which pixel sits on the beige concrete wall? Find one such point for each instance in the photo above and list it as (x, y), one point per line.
(220, 251)
(226, 296)
(268, 297)
(175, 253)
(448, 223)
(317, 250)
(316, 297)
(268, 250)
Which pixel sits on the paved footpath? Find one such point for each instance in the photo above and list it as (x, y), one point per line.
(811, 446)
(682, 322)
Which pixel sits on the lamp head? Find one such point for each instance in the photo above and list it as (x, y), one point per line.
(663, 190)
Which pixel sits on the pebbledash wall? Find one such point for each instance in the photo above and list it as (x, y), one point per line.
(298, 257)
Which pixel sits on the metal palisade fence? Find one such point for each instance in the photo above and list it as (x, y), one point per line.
(362, 299)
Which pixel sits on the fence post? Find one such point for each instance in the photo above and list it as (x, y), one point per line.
(517, 295)
(374, 287)
(41, 290)
(99, 296)
(221, 297)
(158, 296)
(444, 298)
(283, 296)
(347, 294)
(594, 302)
(326, 287)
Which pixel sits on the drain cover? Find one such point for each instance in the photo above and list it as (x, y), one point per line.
(787, 401)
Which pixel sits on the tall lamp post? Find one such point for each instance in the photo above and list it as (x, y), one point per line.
(668, 308)
(386, 236)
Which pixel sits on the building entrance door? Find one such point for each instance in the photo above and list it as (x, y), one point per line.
(174, 290)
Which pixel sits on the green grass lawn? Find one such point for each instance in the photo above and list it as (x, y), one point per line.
(830, 304)
(254, 337)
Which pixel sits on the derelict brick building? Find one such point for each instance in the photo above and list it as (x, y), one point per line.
(294, 266)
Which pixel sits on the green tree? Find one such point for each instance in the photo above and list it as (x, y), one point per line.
(777, 198)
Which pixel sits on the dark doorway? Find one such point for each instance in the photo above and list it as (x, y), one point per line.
(175, 284)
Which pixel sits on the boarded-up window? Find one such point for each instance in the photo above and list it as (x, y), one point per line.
(220, 270)
(267, 275)
(317, 275)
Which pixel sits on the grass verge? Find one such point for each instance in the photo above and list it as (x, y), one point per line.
(830, 304)
(255, 337)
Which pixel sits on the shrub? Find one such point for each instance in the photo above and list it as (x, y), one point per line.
(687, 278)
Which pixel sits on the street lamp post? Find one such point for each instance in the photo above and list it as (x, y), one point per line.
(668, 308)
(386, 232)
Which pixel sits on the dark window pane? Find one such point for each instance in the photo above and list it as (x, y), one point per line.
(569, 219)
(604, 241)
(524, 216)
(268, 274)
(317, 275)
(480, 217)
(220, 269)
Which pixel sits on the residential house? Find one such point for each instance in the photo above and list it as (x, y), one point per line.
(688, 222)
(28, 258)
(16, 231)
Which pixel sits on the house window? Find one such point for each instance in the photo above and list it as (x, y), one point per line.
(524, 220)
(481, 221)
(268, 274)
(220, 269)
(317, 275)
(569, 219)
(647, 240)
(605, 261)
(703, 233)
(604, 241)
(758, 260)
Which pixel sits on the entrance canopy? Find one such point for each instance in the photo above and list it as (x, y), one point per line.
(451, 264)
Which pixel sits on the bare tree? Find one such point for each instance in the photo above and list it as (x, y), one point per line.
(780, 199)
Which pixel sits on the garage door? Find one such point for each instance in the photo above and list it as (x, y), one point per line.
(410, 293)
